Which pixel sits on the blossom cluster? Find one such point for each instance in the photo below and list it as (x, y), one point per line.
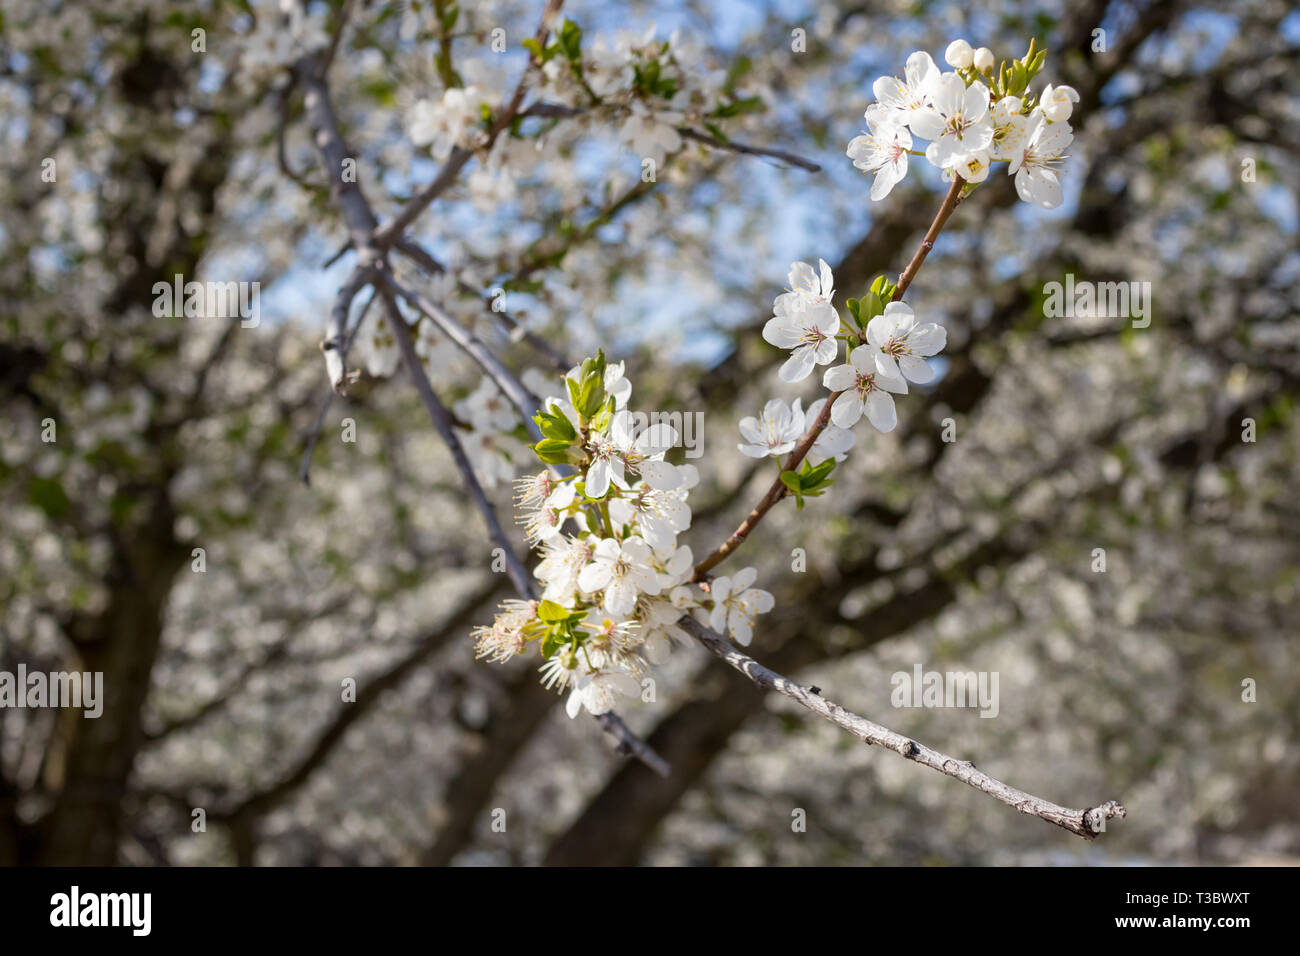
(649, 87)
(886, 348)
(606, 517)
(972, 117)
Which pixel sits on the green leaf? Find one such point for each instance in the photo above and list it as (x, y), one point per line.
(556, 426)
(552, 613)
(812, 475)
(553, 451)
(738, 107)
(590, 365)
(552, 642)
(591, 395)
(48, 495)
(571, 40)
(884, 288)
(600, 421)
(791, 480)
(872, 305)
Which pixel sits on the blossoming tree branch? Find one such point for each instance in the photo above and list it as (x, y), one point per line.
(616, 587)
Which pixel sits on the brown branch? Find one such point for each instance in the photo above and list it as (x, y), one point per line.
(281, 153)
(630, 745)
(949, 204)
(336, 33)
(1086, 823)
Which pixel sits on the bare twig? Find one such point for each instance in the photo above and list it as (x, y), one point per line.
(336, 341)
(336, 34)
(558, 111)
(1086, 823)
(442, 422)
(630, 745)
(281, 154)
(946, 209)
(524, 401)
(745, 149)
(346, 194)
(304, 468)
(515, 327)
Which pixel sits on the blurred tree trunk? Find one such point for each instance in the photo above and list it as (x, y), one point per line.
(85, 825)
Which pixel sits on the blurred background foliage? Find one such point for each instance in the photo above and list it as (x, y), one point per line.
(223, 687)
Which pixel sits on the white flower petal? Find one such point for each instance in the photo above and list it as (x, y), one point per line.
(880, 411)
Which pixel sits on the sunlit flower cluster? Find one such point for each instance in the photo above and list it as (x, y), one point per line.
(972, 117)
(886, 349)
(606, 518)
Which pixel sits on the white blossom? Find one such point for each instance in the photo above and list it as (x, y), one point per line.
(775, 432)
(882, 150)
(617, 455)
(1036, 179)
(959, 54)
(657, 516)
(504, 637)
(598, 692)
(805, 322)
(864, 387)
(833, 442)
(444, 125)
(899, 344)
(622, 570)
(487, 408)
(674, 565)
(658, 619)
(1057, 102)
(1009, 128)
(958, 122)
(898, 100)
(652, 135)
(544, 522)
(562, 562)
(736, 604)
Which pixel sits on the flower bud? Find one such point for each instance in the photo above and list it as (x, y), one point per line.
(1057, 102)
(959, 54)
(983, 59)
